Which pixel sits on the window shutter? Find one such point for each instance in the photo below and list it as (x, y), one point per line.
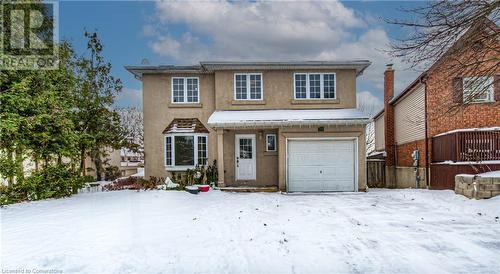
(458, 90)
(496, 87)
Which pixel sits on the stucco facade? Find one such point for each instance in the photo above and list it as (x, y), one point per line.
(278, 91)
(216, 93)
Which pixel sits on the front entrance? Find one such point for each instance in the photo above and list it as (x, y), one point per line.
(245, 157)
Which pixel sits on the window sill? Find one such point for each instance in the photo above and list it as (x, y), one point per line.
(248, 102)
(270, 153)
(479, 102)
(185, 105)
(178, 168)
(314, 101)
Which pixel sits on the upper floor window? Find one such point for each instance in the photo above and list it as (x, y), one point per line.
(314, 85)
(478, 89)
(185, 90)
(248, 86)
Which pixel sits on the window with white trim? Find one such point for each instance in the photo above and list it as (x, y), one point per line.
(314, 86)
(202, 150)
(186, 150)
(478, 89)
(185, 89)
(270, 142)
(248, 86)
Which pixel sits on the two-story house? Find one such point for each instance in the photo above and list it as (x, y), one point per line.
(288, 125)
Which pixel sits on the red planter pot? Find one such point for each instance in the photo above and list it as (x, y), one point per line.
(204, 188)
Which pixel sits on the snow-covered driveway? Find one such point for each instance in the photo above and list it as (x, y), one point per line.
(389, 231)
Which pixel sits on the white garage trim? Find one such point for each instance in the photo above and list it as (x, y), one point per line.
(356, 161)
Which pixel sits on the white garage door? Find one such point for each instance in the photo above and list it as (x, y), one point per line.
(321, 165)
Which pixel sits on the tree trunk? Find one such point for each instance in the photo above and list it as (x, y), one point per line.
(11, 176)
(19, 162)
(96, 157)
(82, 161)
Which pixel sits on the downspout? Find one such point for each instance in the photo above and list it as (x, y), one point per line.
(424, 81)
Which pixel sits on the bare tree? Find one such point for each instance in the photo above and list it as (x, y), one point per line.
(368, 108)
(132, 120)
(459, 38)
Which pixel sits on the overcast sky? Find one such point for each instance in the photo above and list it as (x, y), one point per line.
(188, 32)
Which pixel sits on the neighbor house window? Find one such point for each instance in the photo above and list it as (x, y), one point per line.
(186, 150)
(248, 86)
(185, 89)
(478, 89)
(315, 85)
(270, 142)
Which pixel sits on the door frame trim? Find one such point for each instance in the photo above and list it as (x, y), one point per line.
(356, 160)
(254, 153)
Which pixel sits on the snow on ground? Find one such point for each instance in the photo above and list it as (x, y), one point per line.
(491, 174)
(389, 231)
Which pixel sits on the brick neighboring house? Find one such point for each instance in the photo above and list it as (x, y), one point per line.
(465, 140)
(291, 126)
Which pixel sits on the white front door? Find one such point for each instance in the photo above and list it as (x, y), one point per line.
(245, 157)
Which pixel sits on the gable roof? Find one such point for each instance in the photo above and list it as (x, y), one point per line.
(479, 25)
(181, 125)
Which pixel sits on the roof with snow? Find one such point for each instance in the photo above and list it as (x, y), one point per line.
(287, 117)
(469, 130)
(185, 125)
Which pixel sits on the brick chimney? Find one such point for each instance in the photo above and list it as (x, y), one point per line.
(389, 115)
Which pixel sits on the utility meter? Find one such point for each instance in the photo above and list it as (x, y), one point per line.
(416, 156)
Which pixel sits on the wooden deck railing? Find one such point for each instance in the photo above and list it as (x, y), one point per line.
(466, 146)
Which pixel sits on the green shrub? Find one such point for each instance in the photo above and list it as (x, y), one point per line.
(12, 194)
(134, 183)
(212, 173)
(51, 182)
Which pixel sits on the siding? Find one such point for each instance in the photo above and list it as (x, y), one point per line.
(379, 133)
(409, 117)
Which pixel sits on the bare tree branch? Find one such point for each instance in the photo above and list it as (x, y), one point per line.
(456, 39)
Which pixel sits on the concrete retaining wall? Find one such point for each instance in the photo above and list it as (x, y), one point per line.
(477, 186)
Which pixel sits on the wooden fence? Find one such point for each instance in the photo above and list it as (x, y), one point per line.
(466, 146)
(375, 169)
(443, 175)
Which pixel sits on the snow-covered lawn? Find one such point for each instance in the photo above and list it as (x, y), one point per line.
(390, 231)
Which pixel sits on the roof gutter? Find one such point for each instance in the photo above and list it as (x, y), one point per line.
(278, 123)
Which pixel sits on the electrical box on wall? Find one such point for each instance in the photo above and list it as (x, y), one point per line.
(416, 156)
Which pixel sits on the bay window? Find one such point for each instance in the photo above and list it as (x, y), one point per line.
(185, 150)
(314, 86)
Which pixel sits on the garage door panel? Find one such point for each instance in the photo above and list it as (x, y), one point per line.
(306, 185)
(321, 165)
(308, 158)
(314, 160)
(305, 172)
(342, 186)
(338, 173)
